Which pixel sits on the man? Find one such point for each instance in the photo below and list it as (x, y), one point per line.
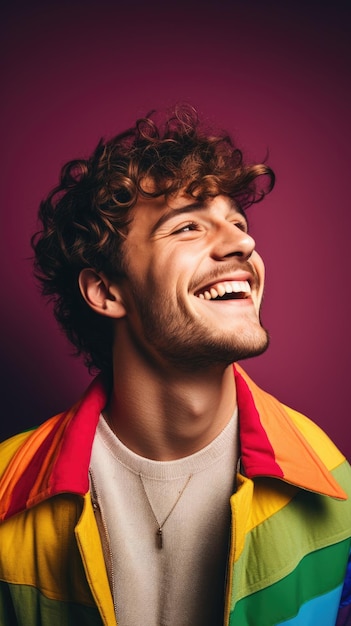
(175, 492)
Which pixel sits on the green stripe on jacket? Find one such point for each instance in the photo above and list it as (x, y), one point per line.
(275, 547)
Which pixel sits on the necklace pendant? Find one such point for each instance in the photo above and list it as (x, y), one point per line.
(159, 539)
(159, 535)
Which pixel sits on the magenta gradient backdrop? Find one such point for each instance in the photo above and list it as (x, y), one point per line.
(277, 76)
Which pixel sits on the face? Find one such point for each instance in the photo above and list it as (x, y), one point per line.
(193, 284)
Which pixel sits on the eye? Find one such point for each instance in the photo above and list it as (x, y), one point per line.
(242, 225)
(186, 228)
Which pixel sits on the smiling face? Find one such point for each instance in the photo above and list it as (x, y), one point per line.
(193, 284)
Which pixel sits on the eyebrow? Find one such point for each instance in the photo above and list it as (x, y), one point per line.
(194, 206)
(173, 212)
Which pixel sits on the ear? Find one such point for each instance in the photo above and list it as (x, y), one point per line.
(101, 294)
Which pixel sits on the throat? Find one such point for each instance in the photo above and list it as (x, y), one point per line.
(169, 419)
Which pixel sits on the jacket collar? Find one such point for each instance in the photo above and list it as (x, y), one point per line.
(272, 444)
(55, 457)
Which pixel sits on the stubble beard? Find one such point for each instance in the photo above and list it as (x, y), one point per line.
(187, 344)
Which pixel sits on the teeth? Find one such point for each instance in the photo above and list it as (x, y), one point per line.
(233, 286)
(221, 289)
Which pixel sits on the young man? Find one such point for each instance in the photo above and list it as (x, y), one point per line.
(175, 492)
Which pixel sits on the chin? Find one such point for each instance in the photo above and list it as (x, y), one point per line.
(249, 354)
(245, 349)
(215, 352)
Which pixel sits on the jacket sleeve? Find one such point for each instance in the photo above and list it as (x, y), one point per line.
(344, 615)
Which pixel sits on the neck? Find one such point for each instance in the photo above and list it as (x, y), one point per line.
(164, 414)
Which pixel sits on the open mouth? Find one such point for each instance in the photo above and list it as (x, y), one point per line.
(227, 290)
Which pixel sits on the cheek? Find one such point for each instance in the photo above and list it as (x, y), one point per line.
(258, 264)
(164, 271)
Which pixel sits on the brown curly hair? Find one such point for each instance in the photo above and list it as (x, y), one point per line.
(85, 219)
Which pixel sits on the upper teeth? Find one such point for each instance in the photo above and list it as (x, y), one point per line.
(233, 286)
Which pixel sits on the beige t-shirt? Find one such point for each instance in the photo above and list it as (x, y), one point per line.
(182, 583)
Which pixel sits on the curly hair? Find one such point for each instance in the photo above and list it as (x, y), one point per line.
(85, 219)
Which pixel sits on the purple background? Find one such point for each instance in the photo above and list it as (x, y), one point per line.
(277, 77)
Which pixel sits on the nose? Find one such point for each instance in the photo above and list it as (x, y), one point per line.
(230, 240)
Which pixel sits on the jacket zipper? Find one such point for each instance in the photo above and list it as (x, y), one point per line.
(104, 538)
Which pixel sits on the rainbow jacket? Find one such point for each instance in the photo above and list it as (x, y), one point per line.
(290, 532)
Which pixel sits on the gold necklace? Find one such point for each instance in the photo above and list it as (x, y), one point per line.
(159, 532)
